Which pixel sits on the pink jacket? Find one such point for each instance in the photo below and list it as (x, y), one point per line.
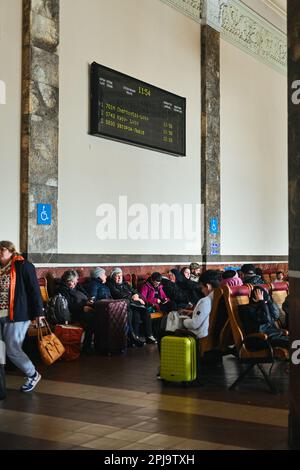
(232, 281)
(148, 293)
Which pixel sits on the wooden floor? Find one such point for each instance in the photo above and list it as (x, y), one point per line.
(117, 403)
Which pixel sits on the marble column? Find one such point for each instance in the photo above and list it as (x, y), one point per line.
(39, 140)
(294, 214)
(210, 127)
(210, 140)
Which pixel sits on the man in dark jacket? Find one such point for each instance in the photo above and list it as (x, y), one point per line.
(249, 276)
(20, 302)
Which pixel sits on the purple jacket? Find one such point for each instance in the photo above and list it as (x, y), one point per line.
(148, 293)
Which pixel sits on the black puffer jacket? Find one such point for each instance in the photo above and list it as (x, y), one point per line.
(77, 298)
(191, 289)
(175, 293)
(121, 291)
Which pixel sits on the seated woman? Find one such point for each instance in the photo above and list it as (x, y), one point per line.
(96, 287)
(137, 310)
(259, 316)
(80, 306)
(98, 290)
(152, 292)
(192, 288)
(173, 291)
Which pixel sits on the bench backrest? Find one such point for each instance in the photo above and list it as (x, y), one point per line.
(235, 296)
(212, 340)
(279, 291)
(43, 289)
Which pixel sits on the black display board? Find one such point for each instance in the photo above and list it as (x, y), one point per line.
(132, 111)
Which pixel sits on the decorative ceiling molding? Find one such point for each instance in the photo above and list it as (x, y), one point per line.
(249, 31)
(191, 8)
(211, 13)
(240, 26)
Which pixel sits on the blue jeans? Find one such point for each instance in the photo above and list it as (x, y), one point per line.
(13, 334)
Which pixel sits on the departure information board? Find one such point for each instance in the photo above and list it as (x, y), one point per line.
(134, 112)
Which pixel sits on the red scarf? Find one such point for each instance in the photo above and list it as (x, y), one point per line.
(12, 287)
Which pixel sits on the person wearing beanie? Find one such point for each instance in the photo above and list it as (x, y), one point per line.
(195, 269)
(230, 278)
(98, 273)
(99, 290)
(116, 271)
(96, 287)
(137, 311)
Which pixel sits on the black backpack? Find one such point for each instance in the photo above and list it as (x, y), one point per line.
(58, 310)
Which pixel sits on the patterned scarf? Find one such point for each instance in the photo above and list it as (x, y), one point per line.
(13, 277)
(5, 268)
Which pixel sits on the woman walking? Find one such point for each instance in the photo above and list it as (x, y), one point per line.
(20, 302)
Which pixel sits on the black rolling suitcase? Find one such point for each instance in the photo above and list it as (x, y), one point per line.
(111, 325)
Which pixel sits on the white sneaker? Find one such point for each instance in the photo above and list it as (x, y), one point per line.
(151, 340)
(31, 382)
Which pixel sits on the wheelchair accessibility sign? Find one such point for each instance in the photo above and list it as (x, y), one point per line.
(213, 226)
(44, 214)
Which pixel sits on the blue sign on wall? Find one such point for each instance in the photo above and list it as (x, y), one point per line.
(213, 225)
(44, 214)
(214, 249)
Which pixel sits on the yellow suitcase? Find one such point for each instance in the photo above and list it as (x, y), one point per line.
(178, 359)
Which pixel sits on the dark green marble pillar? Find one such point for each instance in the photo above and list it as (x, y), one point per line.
(39, 140)
(210, 141)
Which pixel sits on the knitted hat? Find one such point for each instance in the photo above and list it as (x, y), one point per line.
(95, 273)
(195, 266)
(115, 271)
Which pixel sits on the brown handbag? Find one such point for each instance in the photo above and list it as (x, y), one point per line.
(49, 346)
